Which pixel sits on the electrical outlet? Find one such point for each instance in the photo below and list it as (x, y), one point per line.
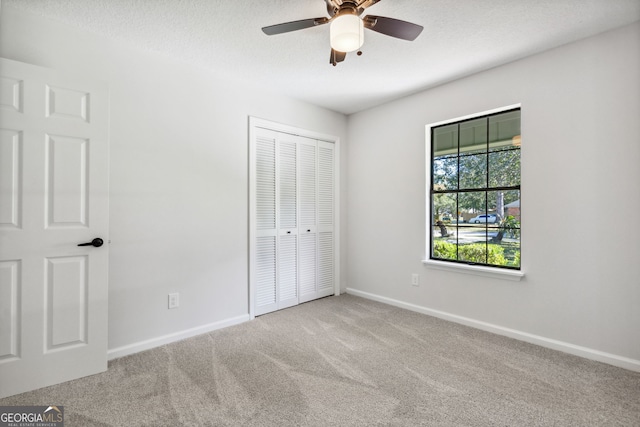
(174, 300)
(415, 279)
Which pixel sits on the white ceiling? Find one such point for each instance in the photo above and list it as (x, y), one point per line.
(460, 37)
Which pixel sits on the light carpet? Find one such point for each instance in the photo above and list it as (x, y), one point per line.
(348, 361)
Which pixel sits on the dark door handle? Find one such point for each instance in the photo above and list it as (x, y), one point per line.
(97, 242)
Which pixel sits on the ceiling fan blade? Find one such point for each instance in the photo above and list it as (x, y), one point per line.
(393, 27)
(365, 4)
(293, 26)
(336, 56)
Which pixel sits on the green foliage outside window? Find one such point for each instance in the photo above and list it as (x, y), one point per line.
(474, 253)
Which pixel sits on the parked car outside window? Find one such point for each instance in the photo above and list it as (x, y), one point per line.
(491, 219)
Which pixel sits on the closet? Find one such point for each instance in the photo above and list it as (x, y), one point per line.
(292, 218)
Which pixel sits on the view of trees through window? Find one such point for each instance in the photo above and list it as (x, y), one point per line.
(475, 190)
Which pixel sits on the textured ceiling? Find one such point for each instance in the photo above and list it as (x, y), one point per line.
(460, 37)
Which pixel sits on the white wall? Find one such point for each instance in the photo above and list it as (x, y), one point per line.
(580, 200)
(178, 177)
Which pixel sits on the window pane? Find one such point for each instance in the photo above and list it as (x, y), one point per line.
(506, 253)
(471, 204)
(504, 167)
(504, 148)
(511, 225)
(473, 136)
(495, 204)
(504, 235)
(473, 171)
(512, 204)
(504, 130)
(443, 249)
(445, 173)
(504, 246)
(444, 208)
(475, 253)
(445, 140)
(472, 235)
(444, 226)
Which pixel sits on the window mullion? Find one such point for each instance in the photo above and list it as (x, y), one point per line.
(486, 201)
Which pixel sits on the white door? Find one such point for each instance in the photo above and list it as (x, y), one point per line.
(53, 197)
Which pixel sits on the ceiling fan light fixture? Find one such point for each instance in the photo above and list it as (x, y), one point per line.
(346, 29)
(346, 32)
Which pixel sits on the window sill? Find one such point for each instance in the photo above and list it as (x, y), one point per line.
(476, 270)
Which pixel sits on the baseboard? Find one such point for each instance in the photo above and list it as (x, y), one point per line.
(587, 353)
(177, 336)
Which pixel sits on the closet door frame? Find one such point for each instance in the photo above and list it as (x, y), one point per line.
(255, 125)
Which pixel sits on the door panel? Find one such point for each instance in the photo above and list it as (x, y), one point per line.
(326, 265)
(308, 185)
(67, 103)
(287, 271)
(265, 177)
(265, 273)
(10, 178)
(53, 195)
(66, 302)
(326, 184)
(308, 262)
(287, 185)
(10, 308)
(66, 181)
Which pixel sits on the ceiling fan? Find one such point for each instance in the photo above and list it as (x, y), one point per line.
(347, 27)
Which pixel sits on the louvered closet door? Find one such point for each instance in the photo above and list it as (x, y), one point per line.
(276, 207)
(265, 222)
(292, 257)
(308, 220)
(316, 220)
(326, 219)
(287, 215)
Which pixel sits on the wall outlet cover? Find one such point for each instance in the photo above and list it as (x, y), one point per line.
(174, 300)
(415, 279)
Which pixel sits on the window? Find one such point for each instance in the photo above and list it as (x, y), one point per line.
(474, 190)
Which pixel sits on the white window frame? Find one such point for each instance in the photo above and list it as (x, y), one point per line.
(477, 270)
